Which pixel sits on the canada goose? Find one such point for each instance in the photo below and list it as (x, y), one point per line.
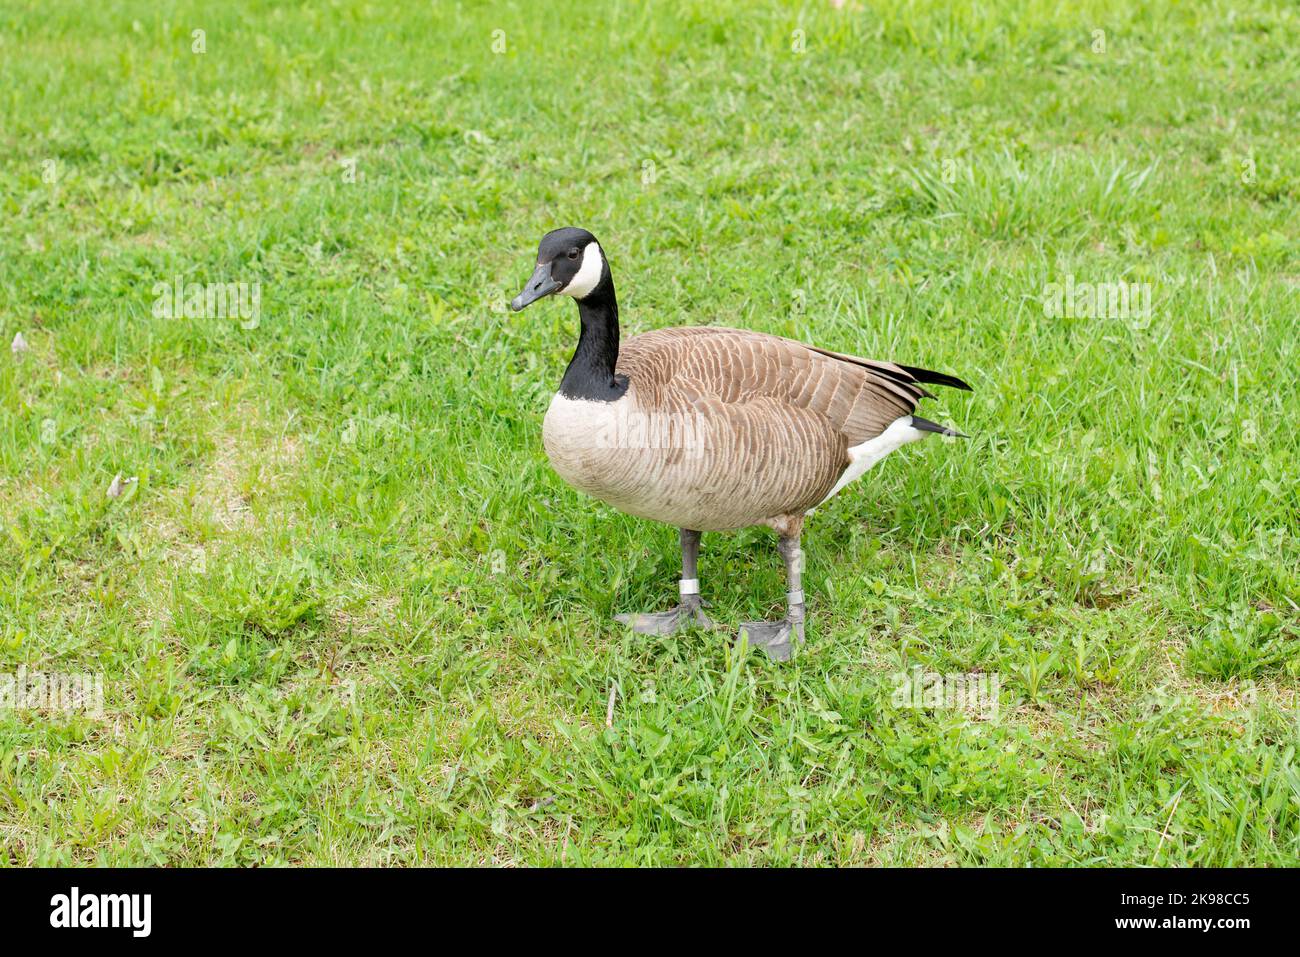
(711, 429)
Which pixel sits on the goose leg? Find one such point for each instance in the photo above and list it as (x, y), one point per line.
(689, 611)
(777, 637)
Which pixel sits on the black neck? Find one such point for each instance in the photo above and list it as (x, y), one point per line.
(590, 374)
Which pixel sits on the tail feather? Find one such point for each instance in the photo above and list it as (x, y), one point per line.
(925, 425)
(935, 378)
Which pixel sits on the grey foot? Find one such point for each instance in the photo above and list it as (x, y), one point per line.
(666, 622)
(777, 638)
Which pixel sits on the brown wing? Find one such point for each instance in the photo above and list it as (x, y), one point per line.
(781, 415)
(857, 398)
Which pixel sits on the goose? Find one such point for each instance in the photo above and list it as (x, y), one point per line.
(714, 429)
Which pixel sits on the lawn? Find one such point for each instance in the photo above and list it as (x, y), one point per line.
(346, 613)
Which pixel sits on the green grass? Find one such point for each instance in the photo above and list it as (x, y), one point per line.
(348, 615)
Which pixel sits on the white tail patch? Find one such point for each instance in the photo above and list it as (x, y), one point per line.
(863, 457)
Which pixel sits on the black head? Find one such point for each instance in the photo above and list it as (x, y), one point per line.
(569, 262)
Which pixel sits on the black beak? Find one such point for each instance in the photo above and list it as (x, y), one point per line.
(538, 287)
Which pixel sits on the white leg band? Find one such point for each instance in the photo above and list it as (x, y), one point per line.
(688, 586)
(795, 597)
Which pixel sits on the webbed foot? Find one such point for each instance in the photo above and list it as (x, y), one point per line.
(686, 615)
(777, 638)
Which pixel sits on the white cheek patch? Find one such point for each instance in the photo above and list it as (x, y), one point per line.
(593, 264)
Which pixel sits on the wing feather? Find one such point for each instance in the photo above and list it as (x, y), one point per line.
(781, 415)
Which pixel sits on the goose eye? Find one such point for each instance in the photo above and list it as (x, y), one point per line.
(573, 254)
